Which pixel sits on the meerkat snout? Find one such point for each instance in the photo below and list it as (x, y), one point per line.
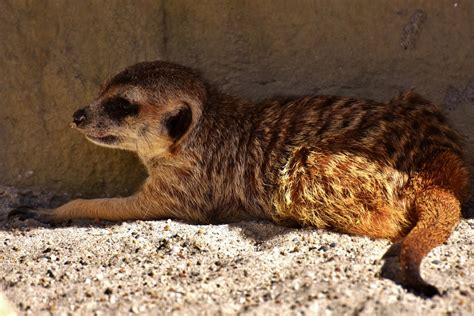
(79, 117)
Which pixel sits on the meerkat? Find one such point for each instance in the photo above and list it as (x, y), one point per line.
(390, 170)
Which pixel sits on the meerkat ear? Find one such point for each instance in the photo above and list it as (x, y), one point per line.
(178, 122)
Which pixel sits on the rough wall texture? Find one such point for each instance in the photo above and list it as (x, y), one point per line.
(56, 53)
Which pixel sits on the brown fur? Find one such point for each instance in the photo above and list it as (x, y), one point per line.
(385, 170)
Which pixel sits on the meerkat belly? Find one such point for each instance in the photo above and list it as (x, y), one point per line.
(343, 191)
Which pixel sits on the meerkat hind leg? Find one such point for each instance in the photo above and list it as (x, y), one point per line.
(339, 191)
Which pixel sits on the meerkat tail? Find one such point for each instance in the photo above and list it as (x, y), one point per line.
(438, 212)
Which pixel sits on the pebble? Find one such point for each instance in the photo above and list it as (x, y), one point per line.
(108, 291)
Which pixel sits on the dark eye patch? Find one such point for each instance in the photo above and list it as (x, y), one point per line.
(119, 108)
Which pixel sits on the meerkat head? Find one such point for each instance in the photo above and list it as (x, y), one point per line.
(150, 108)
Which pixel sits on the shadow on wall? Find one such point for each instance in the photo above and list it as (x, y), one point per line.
(57, 54)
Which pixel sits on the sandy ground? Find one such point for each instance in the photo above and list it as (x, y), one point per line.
(255, 268)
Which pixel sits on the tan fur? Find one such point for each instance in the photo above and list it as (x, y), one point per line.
(384, 170)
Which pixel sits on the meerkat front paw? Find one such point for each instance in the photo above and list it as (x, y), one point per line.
(46, 216)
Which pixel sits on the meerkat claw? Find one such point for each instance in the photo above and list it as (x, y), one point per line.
(24, 213)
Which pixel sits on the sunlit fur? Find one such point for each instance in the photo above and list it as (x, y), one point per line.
(340, 191)
(386, 170)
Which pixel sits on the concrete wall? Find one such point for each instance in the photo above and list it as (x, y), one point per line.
(56, 53)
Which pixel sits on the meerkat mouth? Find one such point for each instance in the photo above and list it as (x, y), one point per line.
(108, 139)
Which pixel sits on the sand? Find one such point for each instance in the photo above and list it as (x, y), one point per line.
(251, 268)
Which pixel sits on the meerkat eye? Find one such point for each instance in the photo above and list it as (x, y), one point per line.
(119, 108)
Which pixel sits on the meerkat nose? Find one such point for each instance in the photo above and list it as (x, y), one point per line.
(79, 117)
